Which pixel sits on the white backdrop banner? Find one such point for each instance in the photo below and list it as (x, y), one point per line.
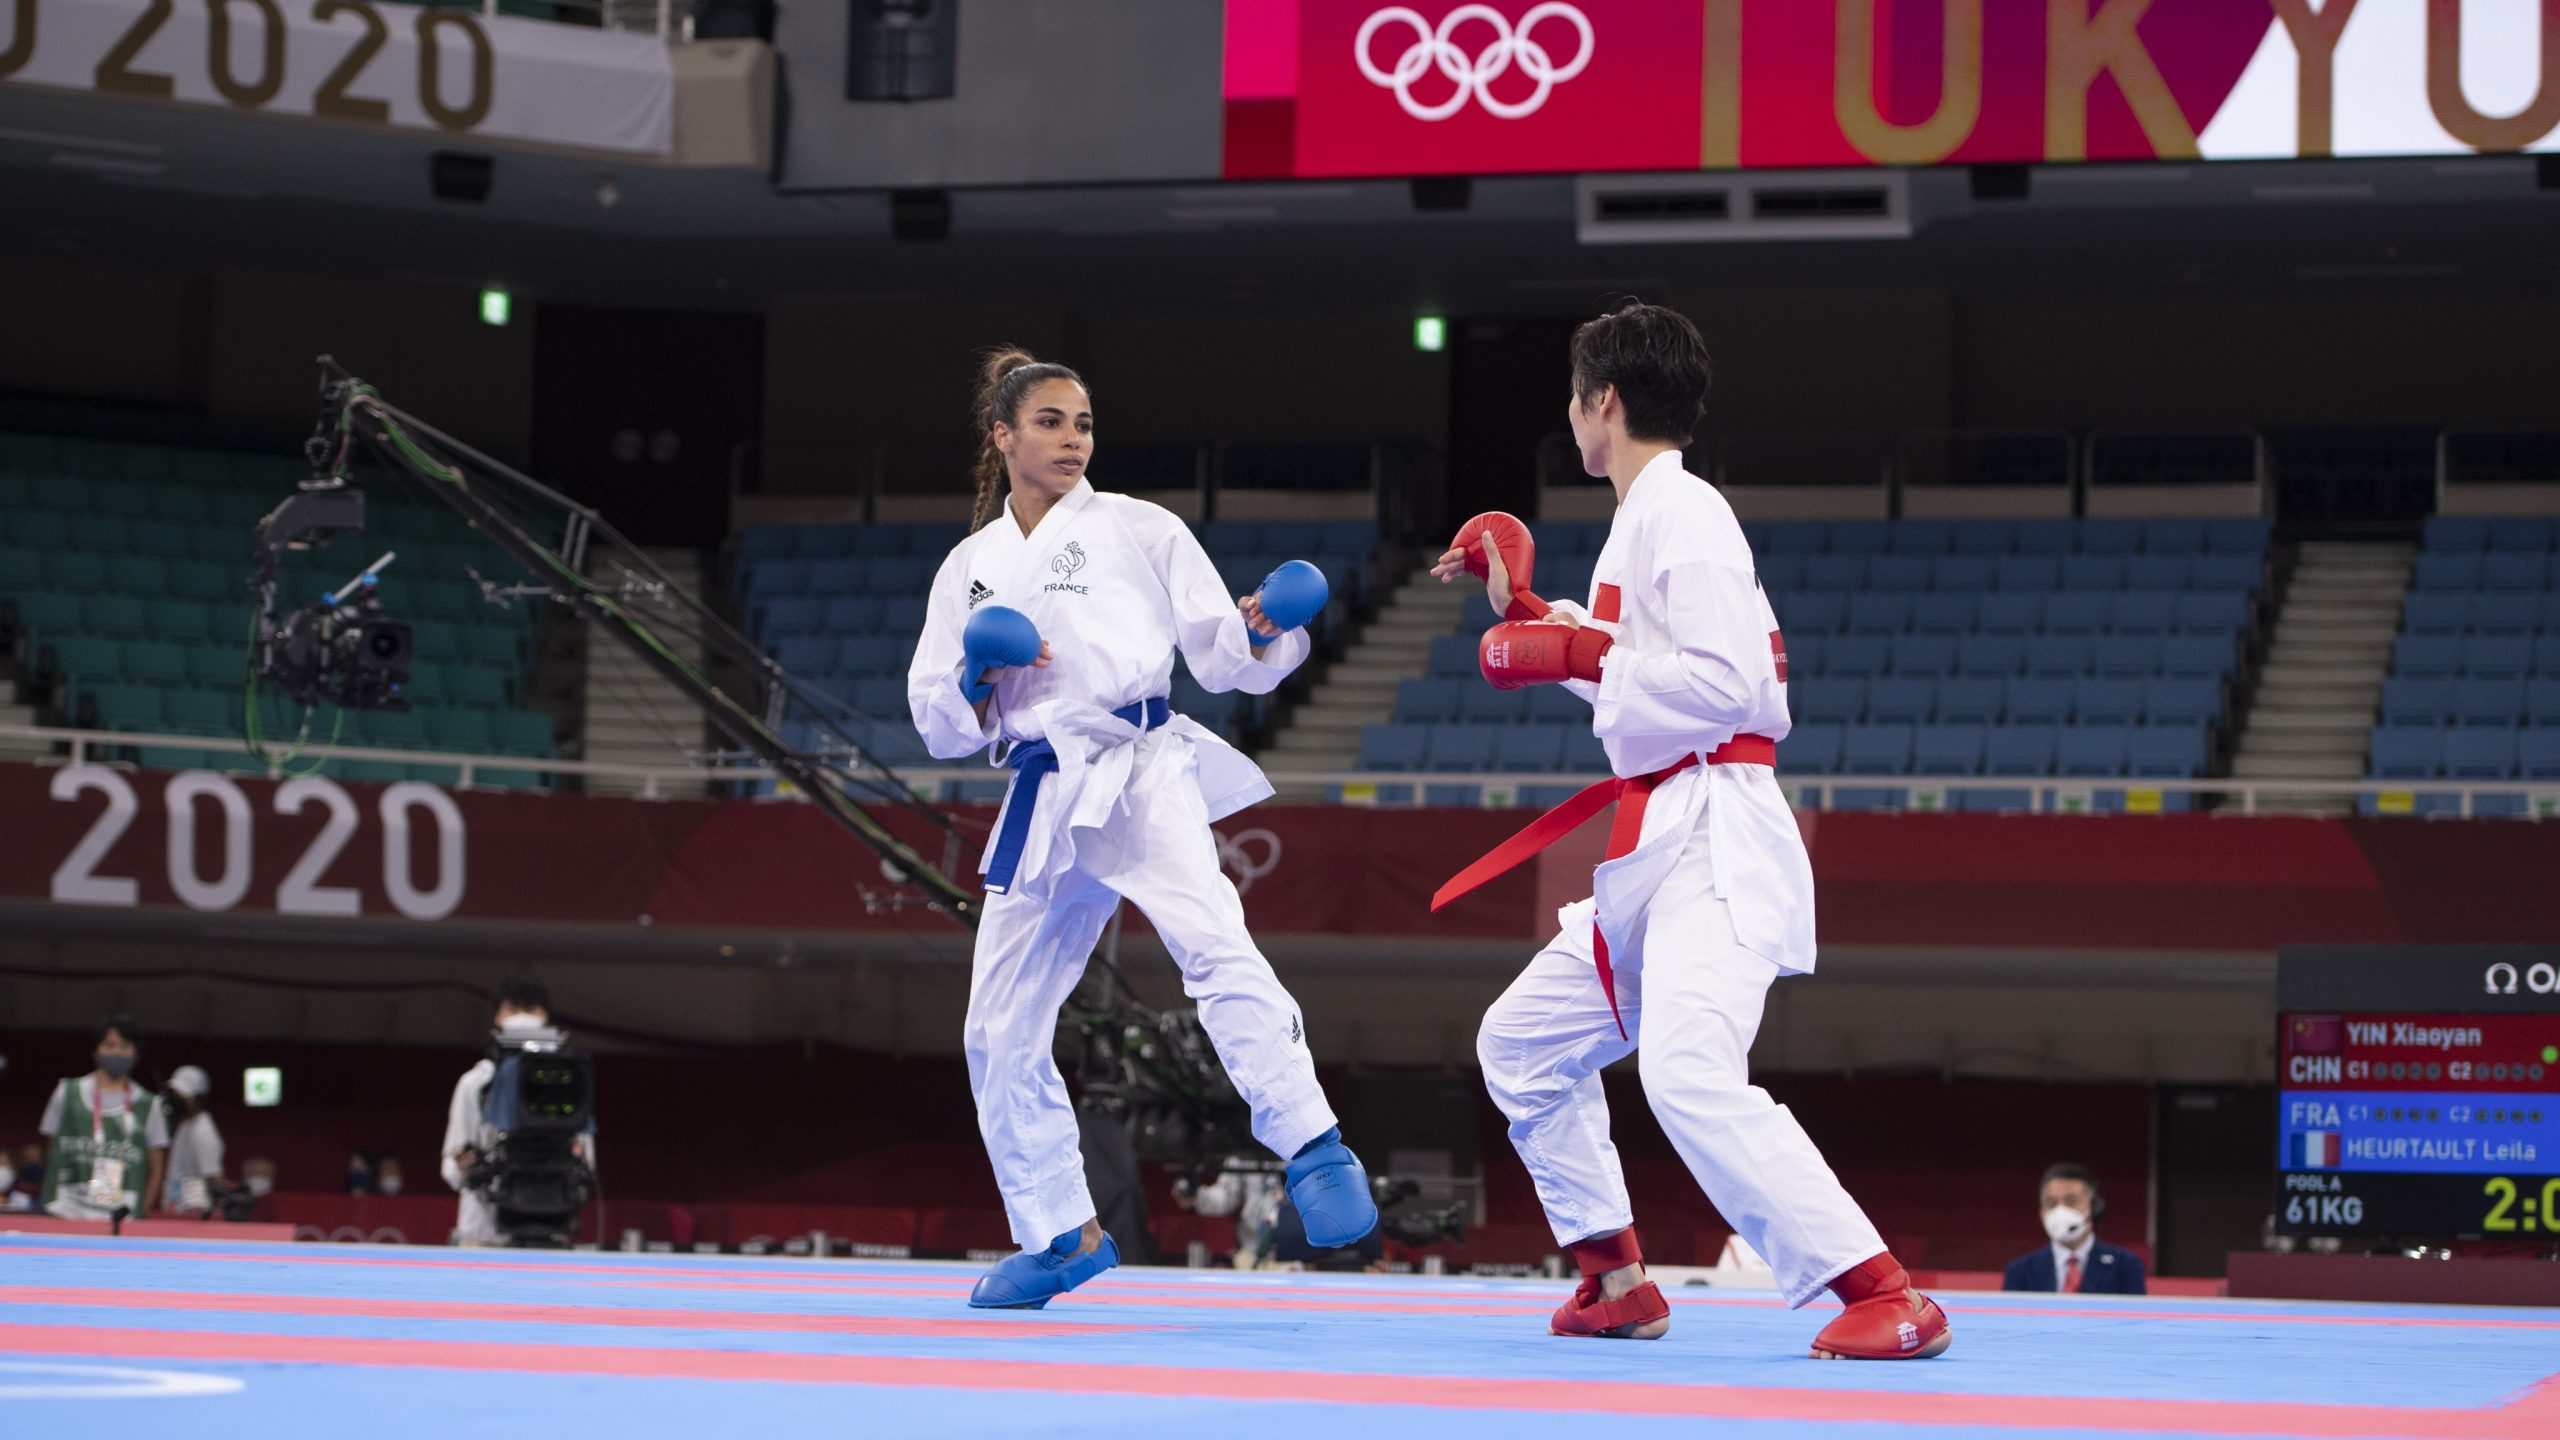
(437, 70)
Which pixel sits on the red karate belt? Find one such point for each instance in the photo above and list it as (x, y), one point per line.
(1630, 796)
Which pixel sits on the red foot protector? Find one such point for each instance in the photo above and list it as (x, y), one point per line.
(1519, 557)
(1886, 1318)
(1587, 1314)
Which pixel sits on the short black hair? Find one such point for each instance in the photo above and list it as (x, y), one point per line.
(2068, 1171)
(120, 1025)
(523, 992)
(1659, 363)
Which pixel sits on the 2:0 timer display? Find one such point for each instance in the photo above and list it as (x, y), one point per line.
(2516, 1209)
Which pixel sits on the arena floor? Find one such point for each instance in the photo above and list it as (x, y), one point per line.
(310, 1340)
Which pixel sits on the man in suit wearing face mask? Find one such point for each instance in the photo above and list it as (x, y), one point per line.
(2075, 1261)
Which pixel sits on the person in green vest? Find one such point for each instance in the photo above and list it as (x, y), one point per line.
(107, 1138)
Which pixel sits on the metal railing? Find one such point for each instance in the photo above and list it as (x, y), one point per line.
(2044, 794)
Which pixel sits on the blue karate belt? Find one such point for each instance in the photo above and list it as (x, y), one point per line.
(1034, 761)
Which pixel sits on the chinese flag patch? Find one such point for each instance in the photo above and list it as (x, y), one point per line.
(1778, 651)
(1606, 606)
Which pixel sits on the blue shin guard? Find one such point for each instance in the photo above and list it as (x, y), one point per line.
(1033, 1278)
(1331, 1192)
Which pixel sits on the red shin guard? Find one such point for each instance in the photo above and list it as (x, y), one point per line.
(1588, 1314)
(1886, 1319)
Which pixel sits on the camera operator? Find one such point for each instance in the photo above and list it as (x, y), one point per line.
(109, 1137)
(195, 1145)
(524, 1005)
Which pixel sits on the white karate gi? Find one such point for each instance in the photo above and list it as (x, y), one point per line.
(1115, 585)
(1714, 903)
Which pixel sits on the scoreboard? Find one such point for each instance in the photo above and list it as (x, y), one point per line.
(2420, 1092)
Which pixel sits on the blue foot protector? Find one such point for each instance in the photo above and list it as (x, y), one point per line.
(1033, 1278)
(1331, 1192)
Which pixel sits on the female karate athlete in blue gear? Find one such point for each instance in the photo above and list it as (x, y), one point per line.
(1051, 633)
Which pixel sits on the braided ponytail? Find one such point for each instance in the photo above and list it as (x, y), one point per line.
(1004, 379)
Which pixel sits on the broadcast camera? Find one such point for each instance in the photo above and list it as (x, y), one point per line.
(540, 1101)
(339, 649)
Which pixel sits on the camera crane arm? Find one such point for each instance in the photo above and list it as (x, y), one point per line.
(350, 408)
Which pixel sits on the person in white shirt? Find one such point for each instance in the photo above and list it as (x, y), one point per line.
(107, 1137)
(1050, 633)
(195, 1144)
(523, 1004)
(1706, 894)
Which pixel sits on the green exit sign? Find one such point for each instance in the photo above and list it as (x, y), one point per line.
(262, 1085)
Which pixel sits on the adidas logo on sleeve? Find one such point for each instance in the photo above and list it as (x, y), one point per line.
(979, 593)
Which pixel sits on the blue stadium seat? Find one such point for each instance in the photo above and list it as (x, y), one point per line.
(2520, 533)
(1484, 705)
(1860, 537)
(2040, 702)
(2016, 749)
(2542, 701)
(1811, 749)
(776, 577)
(2220, 613)
(2185, 703)
(1943, 614)
(1962, 574)
(2538, 754)
(1836, 572)
(2445, 573)
(1857, 655)
(2058, 655)
(2515, 571)
(872, 655)
(2425, 655)
(2173, 537)
(1780, 573)
(1584, 754)
(2435, 613)
(2093, 572)
(1879, 613)
(1458, 750)
(2144, 612)
(2236, 537)
(1426, 702)
(882, 697)
(838, 575)
(2009, 613)
(1812, 612)
(793, 615)
(852, 615)
(2480, 753)
(1796, 537)
(806, 654)
(2226, 572)
(1528, 748)
(1986, 656)
(2496, 655)
(823, 542)
(2076, 612)
(1477, 616)
(2546, 654)
(2029, 572)
(2046, 537)
(1393, 747)
(2108, 702)
(2407, 753)
(1828, 700)
(1805, 653)
(2110, 537)
(2498, 702)
(2457, 534)
(1903, 699)
(2503, 613)
(1453, 655)
(1898, 572)
(2093, 750)
(762, 542)
(1921, 537)
(1948, 750)
(1555, 705)
(2203, 657)
(1876, 750)
(2156, 572)
(1985, 537)
(2127, 656)
(1924, 655)
(2166, 751)
(1974, 702)
(877, 542)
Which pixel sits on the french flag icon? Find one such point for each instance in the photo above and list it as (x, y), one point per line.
(2315, 1150)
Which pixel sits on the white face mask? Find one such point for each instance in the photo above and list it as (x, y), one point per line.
(2065, 1224)
(261, 1184)
(388, 1184)
(523, 1022)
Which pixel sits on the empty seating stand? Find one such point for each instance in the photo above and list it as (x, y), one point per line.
(2474, 690)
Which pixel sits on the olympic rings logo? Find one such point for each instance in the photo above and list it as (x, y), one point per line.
(1236, 854)
(1511, 45)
